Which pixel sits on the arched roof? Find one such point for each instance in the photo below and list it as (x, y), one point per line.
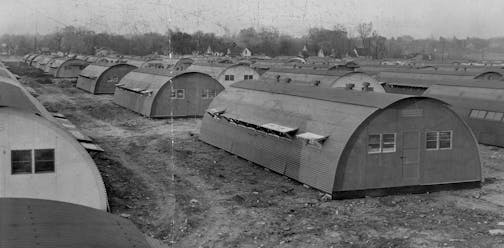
(482, 75)
(95, 70)
(60, 224)
(335, 113)
(296, 59)
(4, 73)
(77, 147)
(13, 94)
(150, 81)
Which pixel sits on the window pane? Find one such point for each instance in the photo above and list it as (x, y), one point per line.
(445, 140)
(388, 143)
(173, 94)
(204, 94)
(231, 77)
(431, 140)
(21, 161)
(211, 93)
(180, 94)
(373, 143)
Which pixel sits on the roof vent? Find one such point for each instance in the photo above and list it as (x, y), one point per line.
(366, 88)
(288, 80)
(316, 83)
(277, 78)
(349, 86)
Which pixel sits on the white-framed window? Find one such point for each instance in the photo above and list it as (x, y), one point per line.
(248, 77)
(229, 77)
(382, 143)
(431, 140)
(438, 140)
(208, 93)
(388, 142)
(178, 94)
(374, 143)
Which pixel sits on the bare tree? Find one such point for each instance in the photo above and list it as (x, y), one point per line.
(364, 30)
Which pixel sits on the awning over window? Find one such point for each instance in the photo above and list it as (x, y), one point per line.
(312, 137)
(279, 128)
(216, 111)
(91, 147)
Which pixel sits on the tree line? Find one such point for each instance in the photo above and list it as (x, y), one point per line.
(336, 42)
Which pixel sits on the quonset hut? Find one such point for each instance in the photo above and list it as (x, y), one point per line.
(39, 158)
(358, 81)
(101, 78)
(341, 141)
(43, 223)
(161, 93)
(480, 103)
(226, 74)
(67, 67)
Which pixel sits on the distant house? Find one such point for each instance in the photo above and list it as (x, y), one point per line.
(246, 53)
(101, 52)
(362, 52)
(234, 51)
(321, 53)
(209, 51)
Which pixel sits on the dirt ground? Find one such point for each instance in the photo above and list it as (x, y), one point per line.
(189, 194)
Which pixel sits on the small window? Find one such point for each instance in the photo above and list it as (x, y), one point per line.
(388, 142)
(178, 94)
(21, 161)
(445, 140)
(248, 77)
(229, 77)
(44, 160)
(374, 143)
(211, 94)
(431, 140)
(204, 94)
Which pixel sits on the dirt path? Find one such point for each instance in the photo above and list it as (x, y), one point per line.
(190, 194)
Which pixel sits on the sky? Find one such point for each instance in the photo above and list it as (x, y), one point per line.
(418, 18)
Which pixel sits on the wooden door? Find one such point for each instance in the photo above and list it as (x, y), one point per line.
(411, 157)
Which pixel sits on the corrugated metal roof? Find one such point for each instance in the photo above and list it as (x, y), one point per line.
(94, 70)
(58, 62)
(13, 94)
(406, 70)
(370, 99)
(41, 223)
(423, 82)
(147, 79)
(213, 70)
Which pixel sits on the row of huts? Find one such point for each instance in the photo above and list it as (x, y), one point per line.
(340, 128)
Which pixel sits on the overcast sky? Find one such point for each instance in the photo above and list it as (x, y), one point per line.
(419, 18)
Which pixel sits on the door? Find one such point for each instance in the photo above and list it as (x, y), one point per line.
(411, 157)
